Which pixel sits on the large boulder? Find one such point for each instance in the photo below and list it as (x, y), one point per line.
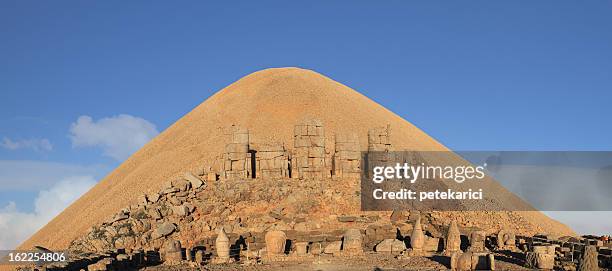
(195, 181)
(390, 245)
(163, 230)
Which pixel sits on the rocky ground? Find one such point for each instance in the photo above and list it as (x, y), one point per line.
(369, 262)
(192, 211)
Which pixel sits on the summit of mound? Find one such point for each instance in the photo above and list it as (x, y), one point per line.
(269, 103)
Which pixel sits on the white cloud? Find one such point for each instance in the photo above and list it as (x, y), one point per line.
(33, 144)
(16, 226)
(118, 136)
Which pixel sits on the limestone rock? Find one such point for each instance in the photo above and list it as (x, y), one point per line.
(180, 211)
(195, 181)
(333, 247)
(181, 185)
(154, 197)
(390, 245)
(102, 265)
(163, 230)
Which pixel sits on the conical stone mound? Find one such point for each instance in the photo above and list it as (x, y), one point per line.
(269, 104)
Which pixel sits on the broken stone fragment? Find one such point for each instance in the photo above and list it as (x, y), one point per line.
(180, 211)
(155, 214)
(195, 181)
(190, 207)
(118, 217)
(276, 214)
(346, 218)
(153, 197)
(175, 201)
(163, 230)
(390, 245)
(472, 261)
(170, 190)
(122, 257)
(102, 265)
(182, 185)
(333, 247)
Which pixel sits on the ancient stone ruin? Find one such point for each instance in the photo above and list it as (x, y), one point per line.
(237, 159)
(197, 219)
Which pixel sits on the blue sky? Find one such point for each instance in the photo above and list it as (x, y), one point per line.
(476, 75)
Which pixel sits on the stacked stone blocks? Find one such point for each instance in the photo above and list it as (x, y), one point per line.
(236, 158)
(308, 159)
(347, 156)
